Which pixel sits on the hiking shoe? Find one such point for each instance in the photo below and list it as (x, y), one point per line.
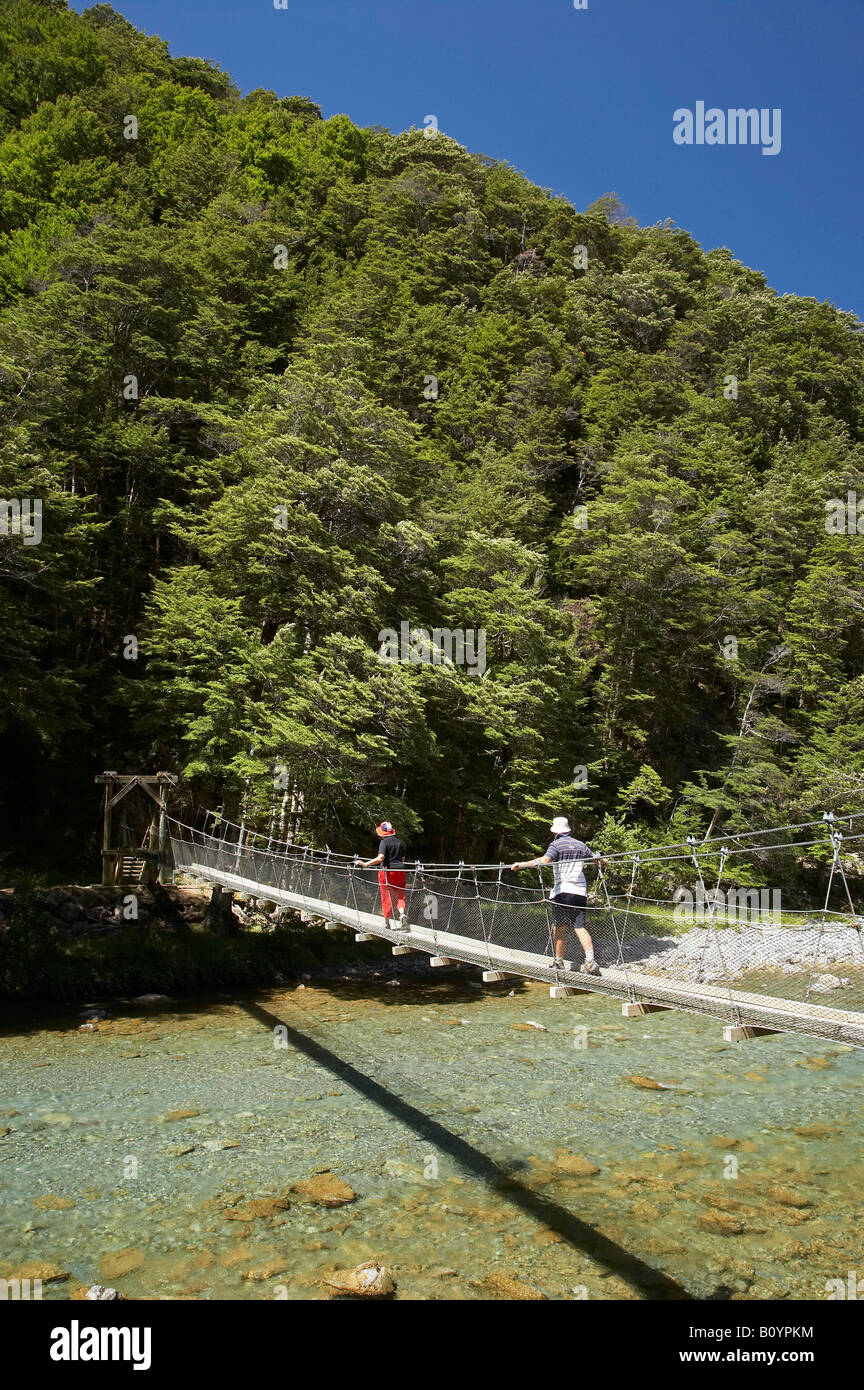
(400, 924)
(590, 967)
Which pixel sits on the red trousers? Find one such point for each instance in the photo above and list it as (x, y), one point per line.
(391, 878)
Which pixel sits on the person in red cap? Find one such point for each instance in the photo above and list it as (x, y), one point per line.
(391, 874)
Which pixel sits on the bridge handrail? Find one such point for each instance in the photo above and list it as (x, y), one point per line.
(649, 856)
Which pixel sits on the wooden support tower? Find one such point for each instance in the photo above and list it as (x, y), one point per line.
(145, 864)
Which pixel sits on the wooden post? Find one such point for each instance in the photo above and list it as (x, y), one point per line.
(746, 1032)
(163, 876)
(107, 861)
(151, 870)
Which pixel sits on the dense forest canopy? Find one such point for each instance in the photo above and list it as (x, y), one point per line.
(282, 384)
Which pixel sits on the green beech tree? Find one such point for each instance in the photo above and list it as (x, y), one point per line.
(284, 385)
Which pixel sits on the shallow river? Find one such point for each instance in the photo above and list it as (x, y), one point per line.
(489, 1158)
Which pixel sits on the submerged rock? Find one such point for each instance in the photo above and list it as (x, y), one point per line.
(369, 1280)
(268, 1270)
(256, 1209)
(47, 1273)
(788, 1197)
(815, 1131)
(508, 1286)
(120, 1262)
(325, 1189)
(573, 1164)
(721, 1223)
(99, 1293)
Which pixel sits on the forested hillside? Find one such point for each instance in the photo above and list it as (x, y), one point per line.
(224, 321)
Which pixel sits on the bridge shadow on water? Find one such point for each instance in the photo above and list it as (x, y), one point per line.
(648, 1281)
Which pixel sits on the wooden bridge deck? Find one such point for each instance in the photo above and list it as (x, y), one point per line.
(741, 1011)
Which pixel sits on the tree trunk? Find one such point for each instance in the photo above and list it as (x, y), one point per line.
(219, 917)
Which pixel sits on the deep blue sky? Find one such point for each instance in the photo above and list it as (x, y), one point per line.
(582, 102)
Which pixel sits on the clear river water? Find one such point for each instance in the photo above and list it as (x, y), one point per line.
(589, 1157)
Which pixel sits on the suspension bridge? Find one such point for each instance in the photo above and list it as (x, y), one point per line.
(758, 971)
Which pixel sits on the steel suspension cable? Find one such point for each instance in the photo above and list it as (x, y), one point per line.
(486, 939)
(712, 927)
(856, 919)
(622, 960)
(836, 839)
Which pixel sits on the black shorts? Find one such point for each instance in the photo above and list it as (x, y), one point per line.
(568, 910)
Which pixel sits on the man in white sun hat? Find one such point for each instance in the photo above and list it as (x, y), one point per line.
(569, 894)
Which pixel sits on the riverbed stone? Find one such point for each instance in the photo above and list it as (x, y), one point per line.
(119, 1262)
(260, 1208)
(574, 1164)
(788, 1197)
(367, 1280)
(324, 1190)
(647, 1083)
(645, 1211)
(721, 1202)
(268, 1270)
(236, 1255)
(47, 1273)
(721, 1223)
(512, 1287)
